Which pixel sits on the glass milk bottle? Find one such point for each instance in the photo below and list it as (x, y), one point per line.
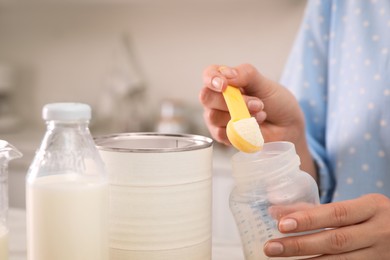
(7, 153)
(269, 184)
(67, 190)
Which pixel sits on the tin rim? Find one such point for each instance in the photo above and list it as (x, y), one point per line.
(183, 142)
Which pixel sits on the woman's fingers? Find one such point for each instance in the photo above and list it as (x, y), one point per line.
(362, 254)
(279, 211)
(213, 79)
(217, 132)
(330, 215)
(331, 241)
(214, 100)
(349, 226)
(217, 77)
(215, 117)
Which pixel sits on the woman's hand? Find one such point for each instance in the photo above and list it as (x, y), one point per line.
(356, 229)
(273, 106)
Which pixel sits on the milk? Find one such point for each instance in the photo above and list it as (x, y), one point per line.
(67, 218)
(3, 242)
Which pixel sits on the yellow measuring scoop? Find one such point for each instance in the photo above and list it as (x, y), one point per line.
(243, 131)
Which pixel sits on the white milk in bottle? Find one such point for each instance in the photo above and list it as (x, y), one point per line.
(67, 215)
(67, 190)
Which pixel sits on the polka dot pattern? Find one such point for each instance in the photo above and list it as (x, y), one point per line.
(339, 69)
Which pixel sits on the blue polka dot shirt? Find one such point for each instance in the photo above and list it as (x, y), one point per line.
(339, 70)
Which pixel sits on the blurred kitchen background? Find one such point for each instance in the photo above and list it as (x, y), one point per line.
(138, 63)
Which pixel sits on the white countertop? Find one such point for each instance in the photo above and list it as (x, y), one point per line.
(17, 224)
(226, 243)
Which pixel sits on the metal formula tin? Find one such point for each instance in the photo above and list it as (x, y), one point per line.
(160, 195)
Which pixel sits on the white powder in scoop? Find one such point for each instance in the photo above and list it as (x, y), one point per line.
(249, 130)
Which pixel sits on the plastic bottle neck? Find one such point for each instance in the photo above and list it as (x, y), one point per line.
(273, 161)
(80, 124)
(67, 147)
(67, 135)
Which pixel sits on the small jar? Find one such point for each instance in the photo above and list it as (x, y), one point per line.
(269, 185)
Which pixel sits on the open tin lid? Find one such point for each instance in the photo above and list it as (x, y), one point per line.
(150, 142)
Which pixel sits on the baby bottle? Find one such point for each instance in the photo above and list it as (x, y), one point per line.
(67, 190)
(269, 184)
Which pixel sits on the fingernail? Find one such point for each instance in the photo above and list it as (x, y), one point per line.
(288, 224)
(217, 83)
(228, 72)
(260, 117)
(255, 105)
(273, 248)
